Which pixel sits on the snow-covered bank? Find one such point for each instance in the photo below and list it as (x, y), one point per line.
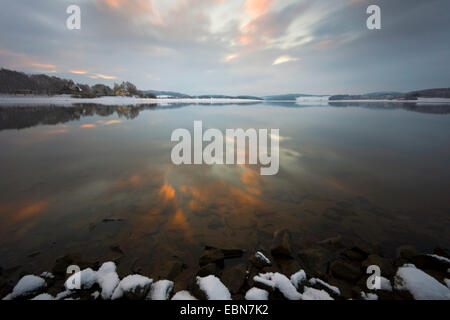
(279, 277)
(67, 100)
(419, 101)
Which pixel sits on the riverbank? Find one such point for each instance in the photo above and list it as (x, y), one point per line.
(332, 269)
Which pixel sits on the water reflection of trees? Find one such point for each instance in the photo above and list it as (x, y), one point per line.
(20, 117)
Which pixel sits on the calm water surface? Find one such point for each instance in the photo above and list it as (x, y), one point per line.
(373, 173)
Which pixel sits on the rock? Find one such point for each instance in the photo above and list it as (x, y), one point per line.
(427, 262)
(355, 254)
(116, 248)
(387, 269)
(227, 253)
(210, 268)
(133, 287)
(288, 266)
(281, 246)
(316, 260)
(406, 252)
(61, 264)
(234, 278)
(335, 242)
(232, 253)
(441, 252)
(28, 286)
(259, 260)
(174, 268)
(344, 270)
(212, 256)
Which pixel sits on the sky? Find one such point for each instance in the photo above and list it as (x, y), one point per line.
(234, 47)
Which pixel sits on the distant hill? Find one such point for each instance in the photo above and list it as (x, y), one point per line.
(167, 93)
(413, 95)
(173, 94)
(290, 97)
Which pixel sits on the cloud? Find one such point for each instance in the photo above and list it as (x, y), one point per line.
(284, 59)
(257, 7)
(102, 76)
(78, 71)
(230, 57)
(184, 44)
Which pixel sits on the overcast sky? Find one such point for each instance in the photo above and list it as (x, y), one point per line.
(256, 47)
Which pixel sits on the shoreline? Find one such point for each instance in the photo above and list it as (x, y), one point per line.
(331, 269)
(67, 100)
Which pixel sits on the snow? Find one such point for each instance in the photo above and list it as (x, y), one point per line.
(315, 294)
(130, 284)
(161, 290)
(444, 259)
(63, 294)
(95, 295)
(421, 285)
(385, 284)
(256, 294)
(333, 289)
(214, 288)
(369, 296)
(298, 278)
(8, 297)
(87, 278)
(67, 100)
(107, 279)
(280, 282)
(183, 295)
(312, 100)
(43, 296)
(47, 275)
(261, 256)
(447, 282)
(28, 285)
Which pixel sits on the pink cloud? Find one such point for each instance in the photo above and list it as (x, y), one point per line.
(256, 8)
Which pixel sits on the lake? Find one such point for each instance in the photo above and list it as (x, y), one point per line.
(99, 180)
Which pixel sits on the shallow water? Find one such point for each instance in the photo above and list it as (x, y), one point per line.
(377, 173)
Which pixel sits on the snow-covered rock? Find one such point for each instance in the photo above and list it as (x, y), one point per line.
(95, 295)
(85, 279)
(47, 275)
(27, 286)
(213, 288)
(297, 278)
(183, 295)
(369, 296)
(257, 294)
(161, 290)
(440, 258)
(421, 285)
(447, 282)
(43, 296)
(281, 282)
(385, 284)
(315, 294)
(107, 279)
(63, 295)
(8, 297)
(133, 287)
(333, 289)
